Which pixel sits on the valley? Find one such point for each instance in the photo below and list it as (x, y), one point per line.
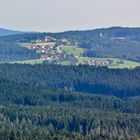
(75, 85)
(50, 53)
(101, 47)
(69, 70)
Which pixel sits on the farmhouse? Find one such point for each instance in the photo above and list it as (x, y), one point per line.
(98, 63)
(63, 40)
(45, 58)
(49, 39)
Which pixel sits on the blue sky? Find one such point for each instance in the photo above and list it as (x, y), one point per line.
(61, 15)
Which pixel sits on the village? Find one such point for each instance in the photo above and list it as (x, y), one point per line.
(60, 51)
(98, 63)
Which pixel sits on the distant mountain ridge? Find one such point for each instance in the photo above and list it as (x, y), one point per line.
(5, 32)
(11, 51)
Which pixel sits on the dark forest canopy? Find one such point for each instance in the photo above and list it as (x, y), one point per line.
(122, 83)
(32, 107)
(30, 111)
(14, 52)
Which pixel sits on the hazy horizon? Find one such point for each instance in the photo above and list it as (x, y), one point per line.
(57, 16)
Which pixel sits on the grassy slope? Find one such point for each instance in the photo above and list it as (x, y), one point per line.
(36, 44)
(127, 64)
(32, 62)
(72, 50)
(78, 52)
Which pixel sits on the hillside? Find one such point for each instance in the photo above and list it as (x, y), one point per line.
(71, 102)
(58, 114)
(31, 108)
(121, 83)
(14, 52)
(5, 32)
(115, 42)
(110, 42)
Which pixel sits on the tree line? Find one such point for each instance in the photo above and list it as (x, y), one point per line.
(122, 83)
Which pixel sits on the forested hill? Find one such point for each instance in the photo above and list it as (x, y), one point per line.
(110, 42)
(36, 112)
(122, 83)
(14, 52)
(54, 102)
(131, 33)
(115, 42)
(5, 32)
(105, 32)
(39, 102)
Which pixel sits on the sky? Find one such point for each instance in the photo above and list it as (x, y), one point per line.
(62, 15)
